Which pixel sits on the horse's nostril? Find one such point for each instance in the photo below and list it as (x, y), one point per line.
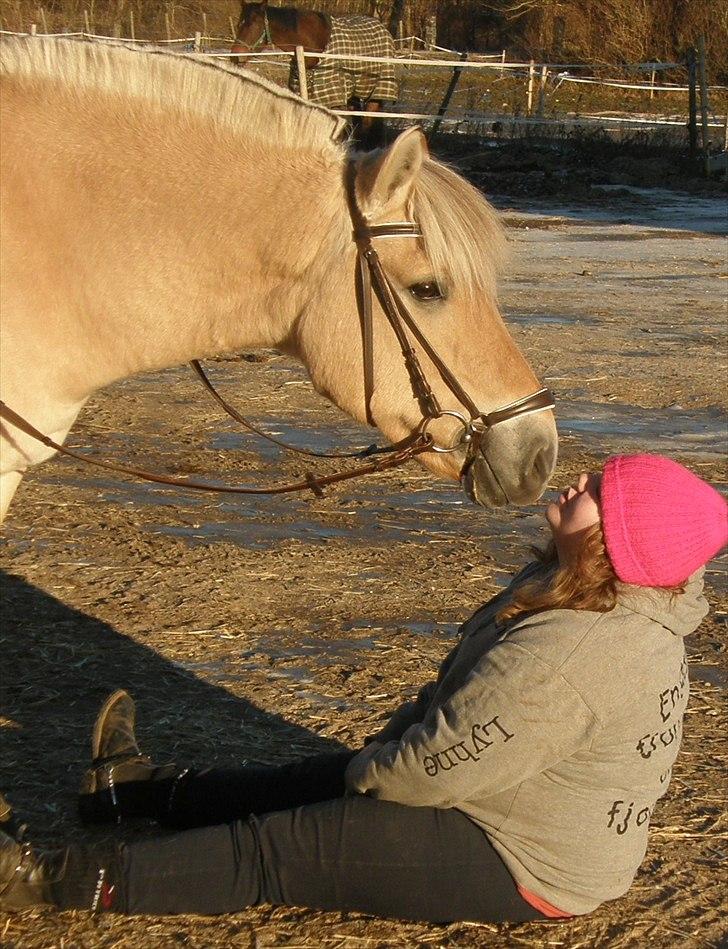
(542, 464)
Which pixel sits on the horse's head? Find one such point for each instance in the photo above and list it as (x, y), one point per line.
(253, 31)
(447, 281)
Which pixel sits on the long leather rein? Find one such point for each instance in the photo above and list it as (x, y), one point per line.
(371, 275)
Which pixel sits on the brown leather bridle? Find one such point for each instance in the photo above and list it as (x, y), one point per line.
(371, 278)
(373, 275)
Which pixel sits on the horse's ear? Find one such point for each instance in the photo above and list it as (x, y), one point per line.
(385, 180)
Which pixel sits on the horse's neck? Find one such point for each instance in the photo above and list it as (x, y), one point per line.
(311, 31)
(201, 248)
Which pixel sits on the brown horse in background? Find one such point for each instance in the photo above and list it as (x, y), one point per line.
(336, 84)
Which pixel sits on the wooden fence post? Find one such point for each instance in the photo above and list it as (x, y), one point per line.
(692, 103)
(204, 24)
(33, 29)
(703, 103)
(301, 67)
(529, 94)
(198, 41)
(652, 83)
(167, 26)
(233, 31)
(503, 60)
(431, 32)
(448, 95)
(132, 31)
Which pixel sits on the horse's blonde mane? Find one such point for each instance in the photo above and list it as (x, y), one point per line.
(463, 238)
(462, 235)
(243, 102)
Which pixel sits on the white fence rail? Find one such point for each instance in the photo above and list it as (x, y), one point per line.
(542, 80)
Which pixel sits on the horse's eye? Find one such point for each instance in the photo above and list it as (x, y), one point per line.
(427, 291)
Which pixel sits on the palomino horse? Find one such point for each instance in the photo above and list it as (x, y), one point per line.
(156, 209)
(335, 83)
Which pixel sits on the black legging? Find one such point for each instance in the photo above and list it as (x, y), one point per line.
(333, 852)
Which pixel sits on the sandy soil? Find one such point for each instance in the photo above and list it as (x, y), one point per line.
(270, 629)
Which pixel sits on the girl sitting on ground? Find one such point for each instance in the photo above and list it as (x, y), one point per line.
(517, 786)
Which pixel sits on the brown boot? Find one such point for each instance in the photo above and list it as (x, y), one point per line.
(72, 877)
(116, 786)
(26, 876)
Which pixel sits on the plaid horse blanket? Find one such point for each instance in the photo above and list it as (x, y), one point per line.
(334, 82)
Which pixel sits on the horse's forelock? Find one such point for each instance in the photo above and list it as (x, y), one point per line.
(463, 238)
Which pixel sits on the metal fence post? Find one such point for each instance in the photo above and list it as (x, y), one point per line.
(448, 95)
(542, 90)
(703, 103)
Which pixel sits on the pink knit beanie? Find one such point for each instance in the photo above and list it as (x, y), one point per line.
(661, 522)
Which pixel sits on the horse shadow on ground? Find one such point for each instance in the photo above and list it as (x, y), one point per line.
(59, 664)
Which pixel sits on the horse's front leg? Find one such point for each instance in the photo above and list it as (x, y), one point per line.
(371, 130)
(19, 451)
(9, 482)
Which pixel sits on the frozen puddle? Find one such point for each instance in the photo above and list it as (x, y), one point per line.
(657, 209)
(296, 663)
(549, 319)
(616, 426)
(703, 430)
(677, 209)
(366, 513)
(253, 534)
(713, 675)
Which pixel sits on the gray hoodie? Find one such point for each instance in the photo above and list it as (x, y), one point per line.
(556, 735)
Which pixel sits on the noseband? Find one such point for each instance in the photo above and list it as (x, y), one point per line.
(372, 277)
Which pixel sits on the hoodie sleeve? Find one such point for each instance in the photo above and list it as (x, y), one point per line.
(513, 717)
(409, 713)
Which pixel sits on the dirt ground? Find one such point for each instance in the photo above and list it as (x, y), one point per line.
(268, 629)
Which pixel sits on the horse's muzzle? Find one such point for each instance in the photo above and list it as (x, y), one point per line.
(497, 476)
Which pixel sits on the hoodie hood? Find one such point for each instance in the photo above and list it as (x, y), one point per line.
(680, 613)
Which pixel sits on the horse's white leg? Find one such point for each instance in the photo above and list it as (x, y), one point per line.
(19, 451)
(8, 485)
